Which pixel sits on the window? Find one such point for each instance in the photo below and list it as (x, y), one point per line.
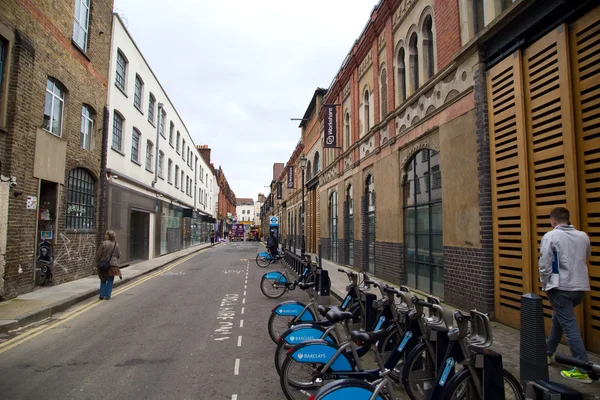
(206, 199)
(349, 225)
(135, 146)
(121, 70)
(3, 57)
(177, 176)
(401, 75)
(149, 155)
(187, 185)
(151, 103)
(182, 174)
(87, 127)
(183, 149)
(206, 178)
(161, 123)
(137, 93)
(333, 226)
(117, 141)
(366, 112)
(81, 200)
(413, 60)
(347, 138)
(53, 109)
(428, 63)
(178, 138)
(170, 171)
(171, 131)
(81, 23)
(161, 157)
(423, 234)
(371, 228)
(383, 92)
(317, 164)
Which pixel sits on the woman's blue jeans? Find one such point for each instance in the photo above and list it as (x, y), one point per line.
(106, 286)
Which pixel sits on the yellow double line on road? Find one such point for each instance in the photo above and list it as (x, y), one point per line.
(18, 340)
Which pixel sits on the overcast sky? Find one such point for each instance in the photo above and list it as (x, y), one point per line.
(238, 70)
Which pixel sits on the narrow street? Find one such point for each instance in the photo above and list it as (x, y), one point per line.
(192, 330)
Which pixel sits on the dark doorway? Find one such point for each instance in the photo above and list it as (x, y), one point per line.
(139, 233)
(46, 236)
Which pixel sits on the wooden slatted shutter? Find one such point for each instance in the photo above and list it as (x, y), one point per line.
(550, 139)
(510, 198)
(585, 58)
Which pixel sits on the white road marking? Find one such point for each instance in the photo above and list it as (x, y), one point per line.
(245, 286)
(240, 341)
(236, 369)
(241, 323)
(234, 397)
(242, 310)
(244, 292)
(244, 300)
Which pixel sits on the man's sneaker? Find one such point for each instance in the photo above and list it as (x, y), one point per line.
(549, 359)
(576, 375)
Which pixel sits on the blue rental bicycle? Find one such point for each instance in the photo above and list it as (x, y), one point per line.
(264, 258)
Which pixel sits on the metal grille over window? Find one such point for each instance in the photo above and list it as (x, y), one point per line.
(81, 22)
(424, 252)
(53, 108)
(80, 200)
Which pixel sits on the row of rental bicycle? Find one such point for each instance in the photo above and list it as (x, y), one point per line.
(393, 346)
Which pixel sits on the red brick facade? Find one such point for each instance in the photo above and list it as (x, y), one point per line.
(447, 29)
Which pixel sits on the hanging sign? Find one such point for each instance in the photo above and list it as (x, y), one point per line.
(279, 190)
(330, 127)
(290, 177)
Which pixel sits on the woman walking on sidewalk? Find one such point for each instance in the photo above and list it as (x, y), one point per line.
(108, 251)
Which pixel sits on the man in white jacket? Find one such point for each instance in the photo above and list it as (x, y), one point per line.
(564, 252)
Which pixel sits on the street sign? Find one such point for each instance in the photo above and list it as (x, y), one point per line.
(274, 221)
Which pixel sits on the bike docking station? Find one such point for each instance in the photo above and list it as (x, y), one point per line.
(533, 362)
(323, 283)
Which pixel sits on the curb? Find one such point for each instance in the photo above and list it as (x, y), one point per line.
(61, 305)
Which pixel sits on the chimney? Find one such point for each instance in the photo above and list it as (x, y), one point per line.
(204, 152)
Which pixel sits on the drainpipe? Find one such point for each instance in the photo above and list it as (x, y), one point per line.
(102, 220)
(160, 107)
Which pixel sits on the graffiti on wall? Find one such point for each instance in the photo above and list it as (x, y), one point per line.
(80, 250)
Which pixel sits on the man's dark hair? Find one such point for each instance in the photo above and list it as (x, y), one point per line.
(560, 214)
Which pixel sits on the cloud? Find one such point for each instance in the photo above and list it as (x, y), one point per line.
(237, 71)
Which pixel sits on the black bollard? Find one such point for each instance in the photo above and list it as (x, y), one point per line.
(534, 365)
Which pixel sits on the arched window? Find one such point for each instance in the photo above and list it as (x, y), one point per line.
(81, 195)
(333, 226)
(413, 60)
(370, 199)
(423, 244)
(428, 63)
(349, 226)
(308, 171)
(347, 138)
(135, 145)
(149, 156)
(401, 75)
(117, 137)
(317, 164)
(383, 92)
(366, 113)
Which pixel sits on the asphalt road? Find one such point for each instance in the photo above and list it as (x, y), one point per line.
(158, 338)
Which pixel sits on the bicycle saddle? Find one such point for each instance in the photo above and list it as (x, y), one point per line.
(335, 314)
(368, 337)
(323, 310)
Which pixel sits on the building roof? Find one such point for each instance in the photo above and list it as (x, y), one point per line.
(244, 201)
(311, 106)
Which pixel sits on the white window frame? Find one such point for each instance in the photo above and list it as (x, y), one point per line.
(161, 123)
(177, 176)
(81, 21)
(56, 98)
(138, 92)
(112, 144)
(151, 105)
(149, 156)
(121, 56)
(170, 171)
(135, 133)
(87, 127)
(161, 159)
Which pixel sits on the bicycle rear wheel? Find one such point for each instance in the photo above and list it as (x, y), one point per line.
(419, 373)
(262, 261)
(273, 288)
(462, 387)
(278, 324)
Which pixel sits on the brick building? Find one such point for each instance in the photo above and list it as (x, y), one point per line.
(226, 204)
(54, 66)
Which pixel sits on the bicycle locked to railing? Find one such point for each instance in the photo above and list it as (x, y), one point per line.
(264, 258)
(426, 351)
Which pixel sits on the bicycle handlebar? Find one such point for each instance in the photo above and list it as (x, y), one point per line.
(420, 302)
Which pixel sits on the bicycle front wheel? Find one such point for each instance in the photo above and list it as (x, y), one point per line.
(262, 261)
(273, 288)
(462, 387)
(419, 373)
(278, 324)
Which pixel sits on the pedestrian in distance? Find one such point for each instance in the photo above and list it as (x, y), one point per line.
(272, 244)
(107, 262)
(212, 237)
(564, 252)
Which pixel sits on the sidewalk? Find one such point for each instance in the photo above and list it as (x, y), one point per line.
(46, 301)
(506, 339)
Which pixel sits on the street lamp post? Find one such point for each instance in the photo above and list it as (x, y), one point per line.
(303, 162)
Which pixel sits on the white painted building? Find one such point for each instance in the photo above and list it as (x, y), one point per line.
(161, 192)
(244, 210)
(257, 205)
